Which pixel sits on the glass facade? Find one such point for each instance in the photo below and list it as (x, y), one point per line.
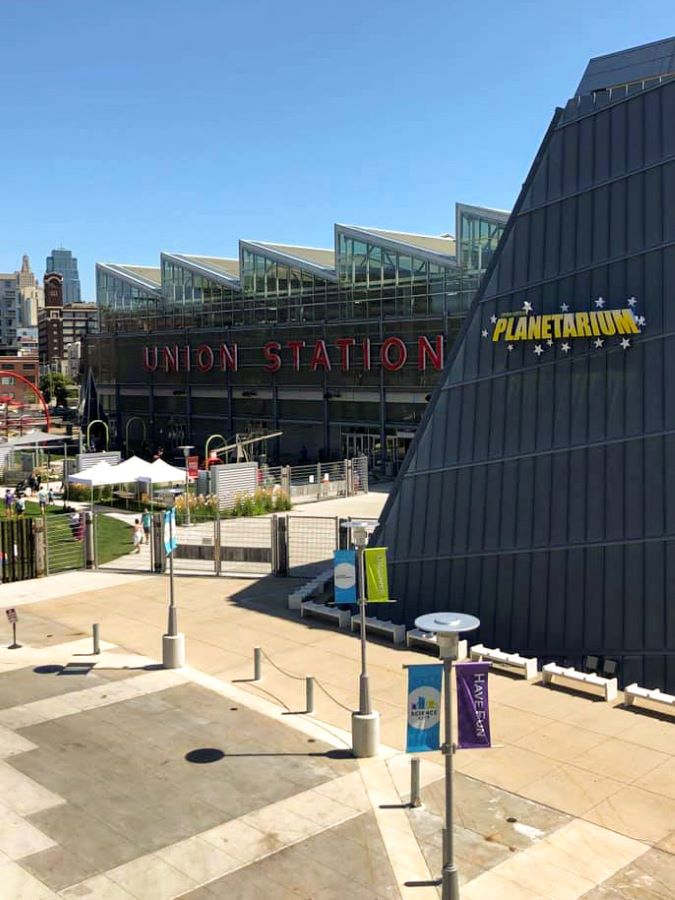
(327, 344)
(478, 235)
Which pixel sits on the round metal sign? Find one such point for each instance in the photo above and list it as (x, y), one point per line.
(447, 622)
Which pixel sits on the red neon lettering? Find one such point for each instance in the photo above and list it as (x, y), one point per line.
(150, 364)
(295, 348)
(187, 358)
(205, 358)
(171, 359)
(229, 359)
(365, 345)
(402, 354)
(425, 349)
(320, 357)
(271, 351)
(344, 344)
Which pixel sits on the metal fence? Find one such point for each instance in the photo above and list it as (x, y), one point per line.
(64, 542)
(311, 541)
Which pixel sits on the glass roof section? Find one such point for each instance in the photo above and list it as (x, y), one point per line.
(149, 277)
(443, 244)
(317, 260)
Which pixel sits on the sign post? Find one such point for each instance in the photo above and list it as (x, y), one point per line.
(186, 451)
(13, 618)
(448, 626)
(173, 643)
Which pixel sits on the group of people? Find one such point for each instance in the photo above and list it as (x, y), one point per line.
(15, 501)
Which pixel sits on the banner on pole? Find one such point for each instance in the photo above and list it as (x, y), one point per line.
(473, 713)
(170, 539)
(424, 708)
(377, 583)
(344, 576)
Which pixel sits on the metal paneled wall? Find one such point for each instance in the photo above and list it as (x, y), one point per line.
(539, 493)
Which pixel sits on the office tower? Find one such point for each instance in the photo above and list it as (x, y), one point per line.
(63, 262)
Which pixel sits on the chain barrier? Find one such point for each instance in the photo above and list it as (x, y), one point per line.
(303, 678)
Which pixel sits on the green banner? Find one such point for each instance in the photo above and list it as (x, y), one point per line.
(377, 583)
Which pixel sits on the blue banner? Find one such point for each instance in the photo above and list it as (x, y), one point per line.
(424, 708)
(170, 539)
(344, 576)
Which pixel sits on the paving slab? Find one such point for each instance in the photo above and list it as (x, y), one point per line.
(649, 877)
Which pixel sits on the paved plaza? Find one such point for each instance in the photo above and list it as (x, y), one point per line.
(124, 780)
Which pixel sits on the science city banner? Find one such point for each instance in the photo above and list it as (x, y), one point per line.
(377, 583)
(344, 576)
(473, 714)
(424, 708)
(170, 539)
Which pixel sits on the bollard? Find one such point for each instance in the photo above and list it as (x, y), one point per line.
(415, 799)
(257, 664)
(309, 694)
(95, 636)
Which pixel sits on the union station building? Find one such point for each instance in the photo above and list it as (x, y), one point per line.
(338, 349)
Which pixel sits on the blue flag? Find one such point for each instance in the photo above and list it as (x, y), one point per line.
(170, 539)
(424, 708)
(344, 576)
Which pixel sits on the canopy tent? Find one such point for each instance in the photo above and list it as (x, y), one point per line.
(95, 476)
(164, 473)
(131, 470)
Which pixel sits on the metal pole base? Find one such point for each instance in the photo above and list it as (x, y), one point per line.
(15, 646)
(365, 734)
(172, 627)
(173, 651)
(450, 889)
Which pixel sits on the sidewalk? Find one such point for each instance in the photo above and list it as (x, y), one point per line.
(576, 793)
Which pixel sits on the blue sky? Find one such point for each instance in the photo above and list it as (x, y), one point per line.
(135, 127)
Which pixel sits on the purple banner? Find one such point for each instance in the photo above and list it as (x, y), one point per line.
(473, 714)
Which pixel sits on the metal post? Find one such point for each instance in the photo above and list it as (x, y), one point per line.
(365, 708)
(14, 645)
(415, 799)
(309, 694)
(257, 663)
(187, 495)
(95, 637)
(450, 890)
(173, 624)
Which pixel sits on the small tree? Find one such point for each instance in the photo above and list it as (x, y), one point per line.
(58, 383)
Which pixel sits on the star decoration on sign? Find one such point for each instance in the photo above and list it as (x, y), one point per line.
(484, 333)
(493, 318)
(565, 347)
(632, 301)
(564, 307)
(538, 350)
(641, 321)
(527, 306)
(625, 344)
(599, 302)
(598, 343)
(509, 347)
(549, 343)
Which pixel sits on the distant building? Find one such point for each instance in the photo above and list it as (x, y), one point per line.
(10, 311)
(65, 264)
(12, 390)
(73, 357)
(31, 295)
(62, 324)
(50, 324)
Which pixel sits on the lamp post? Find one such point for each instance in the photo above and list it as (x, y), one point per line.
(365, 722)
(173, 642)
(448, 626)
(186, 452)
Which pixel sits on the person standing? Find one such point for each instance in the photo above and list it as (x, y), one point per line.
(138, 536)
(8, 502)
(146, 521)
(42, 500)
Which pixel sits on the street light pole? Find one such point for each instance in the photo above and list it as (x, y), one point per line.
(365, 722)
(186, 451)
(448, 626)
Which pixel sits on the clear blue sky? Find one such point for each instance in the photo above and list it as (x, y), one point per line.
(135, 127)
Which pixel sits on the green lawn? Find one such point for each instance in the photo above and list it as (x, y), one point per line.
(113, 539)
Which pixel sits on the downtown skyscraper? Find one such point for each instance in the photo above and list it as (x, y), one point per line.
(64, 263)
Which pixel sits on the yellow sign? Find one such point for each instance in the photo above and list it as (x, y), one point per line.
(605, 323)
(377, 583)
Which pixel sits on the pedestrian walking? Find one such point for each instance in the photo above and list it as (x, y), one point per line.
(20, 506)
(50, 497)
(9, 500)
(146, 521)
(138, 536)
(42, 500)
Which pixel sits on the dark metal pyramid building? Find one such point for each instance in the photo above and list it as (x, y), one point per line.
(539, 493)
